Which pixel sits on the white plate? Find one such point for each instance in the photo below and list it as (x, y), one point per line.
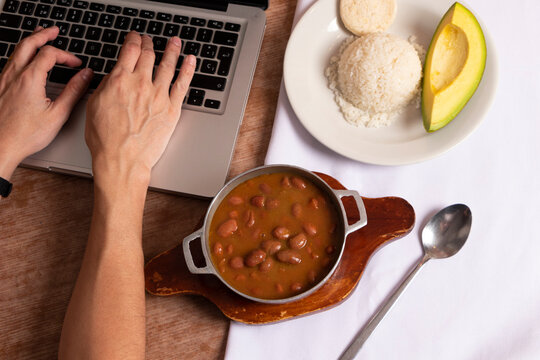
(317, 37)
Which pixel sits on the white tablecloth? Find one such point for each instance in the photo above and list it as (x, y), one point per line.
(484, 303)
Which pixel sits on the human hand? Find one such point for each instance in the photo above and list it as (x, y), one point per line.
(131, 117)
(29, 120)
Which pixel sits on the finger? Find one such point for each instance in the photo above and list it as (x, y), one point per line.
(146, 61)
(165, 70)
(26, 49)
(181, 85)
(47, 57)
(130, 51)
(74, 90)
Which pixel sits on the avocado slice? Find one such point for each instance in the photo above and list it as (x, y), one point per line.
(454, 66)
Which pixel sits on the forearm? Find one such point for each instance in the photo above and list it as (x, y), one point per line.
(106, 315)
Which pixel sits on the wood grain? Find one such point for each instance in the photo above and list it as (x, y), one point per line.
(44, 226)
(389, 218)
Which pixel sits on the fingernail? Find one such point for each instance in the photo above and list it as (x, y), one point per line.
(192, 60)
(38, 28)
(176, 41)
(86, 74)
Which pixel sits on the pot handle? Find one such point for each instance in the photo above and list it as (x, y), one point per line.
(361, 209)
(189, 257)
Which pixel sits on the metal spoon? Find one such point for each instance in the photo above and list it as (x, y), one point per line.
(443, 236)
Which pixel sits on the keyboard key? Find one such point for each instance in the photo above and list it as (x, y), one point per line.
(113, 9)
(76, 46)
(139, 25)
(80, 4)
(225, 53)
(62, 75)
(212, 104)
(106, 20)
(198, 22)
(155, 28)
(46, 1)
(179, 19)
(179, 62)
(171, 30)
(26, 34)
(224, 67)
(60, 42)
(44, 23)
(84, 60)
(159, 43)
(97, 7)
(225, 38)
(195, 100)
(10, 20)
(159, 56)
(130, 12)
(3, 48)
(29, 23)
(122, 22)
(198, 64)
(64, 28)
(204, 35)
(163, 17)
(122, 37)
(10, 35)
(147, 14)
(94, 83)
(208, 82)
(192, 48)
(77, 31)
(58, 13)
(11, 6)
(109, 36)
(74, 15)
(27, 8)
(96, 64)
(232, 27)
(42, 10)
(3, 63)
(188, 33)
(63, 2)
(109, 51)
(90, 18)
(209, 66)
(109, 65)
(11, 49)
(214, 24)
(92, 48)
(209, 51)
(93, 33)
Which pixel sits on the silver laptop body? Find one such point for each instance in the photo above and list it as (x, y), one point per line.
(197, 159)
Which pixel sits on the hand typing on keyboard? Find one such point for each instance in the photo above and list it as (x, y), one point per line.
(29, 120)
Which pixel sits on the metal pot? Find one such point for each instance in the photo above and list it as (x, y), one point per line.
(334, 195)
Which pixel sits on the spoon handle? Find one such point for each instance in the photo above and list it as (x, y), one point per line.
(361, 337)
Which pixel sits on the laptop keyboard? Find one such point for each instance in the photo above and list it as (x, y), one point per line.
(95, 32)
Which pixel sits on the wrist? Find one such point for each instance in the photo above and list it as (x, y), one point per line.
(8, 164)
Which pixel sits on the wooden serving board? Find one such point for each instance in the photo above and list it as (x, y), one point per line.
(389, 218)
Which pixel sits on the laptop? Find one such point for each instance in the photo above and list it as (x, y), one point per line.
(224, 35)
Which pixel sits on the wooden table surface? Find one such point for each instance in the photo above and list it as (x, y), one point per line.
(44, 226)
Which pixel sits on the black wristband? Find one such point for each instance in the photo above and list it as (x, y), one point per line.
(5, 187)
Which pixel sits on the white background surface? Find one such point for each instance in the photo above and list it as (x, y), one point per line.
(484, 303)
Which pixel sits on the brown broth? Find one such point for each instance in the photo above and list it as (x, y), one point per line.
(255, 224)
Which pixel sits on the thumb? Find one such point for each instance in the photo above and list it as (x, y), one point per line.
(74, 90)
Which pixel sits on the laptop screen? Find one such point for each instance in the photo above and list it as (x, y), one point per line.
(217, 4)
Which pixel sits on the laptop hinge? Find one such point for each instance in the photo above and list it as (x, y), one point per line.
(212, 5)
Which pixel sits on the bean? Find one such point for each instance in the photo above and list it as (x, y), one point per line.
(289, 256)
(286, 182)
(236, 262)
(271, 246)
(240, 277)
(326, 261)
(265, 188)
(272, 204)
(258, 201)
(218, 249)
(312, 276)
(330, 249)
(233, 214)
(310, 228)
(266, 265)
(297, 210)
(309, 250)
(279, 288)
(230, 249)
(256, 234)
(281, 233)
(298, 183)
(255, 257)
(256, 291)
(227, 228)
(333, 228)
(236, 200)
(298, 241)
(314, 203)
(296, 287)
(249, 218)
(254, 275)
